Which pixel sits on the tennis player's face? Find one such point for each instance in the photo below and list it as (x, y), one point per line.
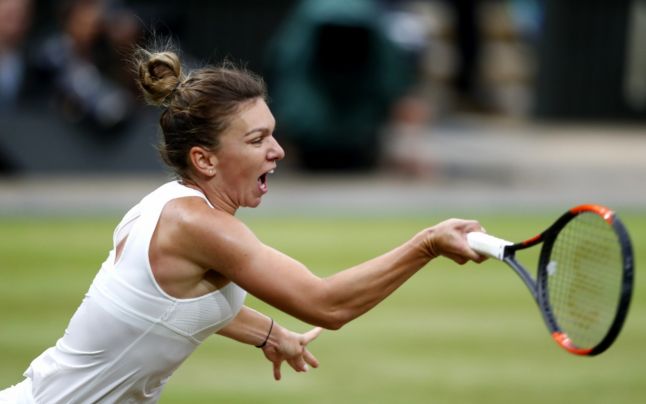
(247, 154)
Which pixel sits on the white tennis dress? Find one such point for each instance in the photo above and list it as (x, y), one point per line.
(128, 336)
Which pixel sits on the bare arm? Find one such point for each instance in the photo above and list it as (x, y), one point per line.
(219, 241)
(249, 327)
(278, 343)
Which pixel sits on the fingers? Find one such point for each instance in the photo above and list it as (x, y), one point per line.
(298, 364)
(450, 240)
(277, 374)
(469, 253)
(307, 338)
(297, 356)
(472, 225)
(480, 258)
(472, 255)
(310, 359)
(311, 335)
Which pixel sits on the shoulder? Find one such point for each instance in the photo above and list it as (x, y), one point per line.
(192, 223)
(193, 212)
(191, 238)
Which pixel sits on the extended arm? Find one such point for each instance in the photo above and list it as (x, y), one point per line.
(333, 301)
(219, 241)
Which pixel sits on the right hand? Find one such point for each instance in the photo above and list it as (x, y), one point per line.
(449, 239)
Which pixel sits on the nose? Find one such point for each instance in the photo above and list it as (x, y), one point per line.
(275, 152)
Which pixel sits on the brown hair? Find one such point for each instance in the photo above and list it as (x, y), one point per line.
(198, 105)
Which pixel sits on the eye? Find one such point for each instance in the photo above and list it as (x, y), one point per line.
(257, 140)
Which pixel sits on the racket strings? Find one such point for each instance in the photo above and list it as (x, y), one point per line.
(584, 279)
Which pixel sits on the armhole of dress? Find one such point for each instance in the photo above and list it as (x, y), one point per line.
(120, 240)
(151, 272)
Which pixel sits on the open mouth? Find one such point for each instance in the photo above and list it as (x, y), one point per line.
(262, 181)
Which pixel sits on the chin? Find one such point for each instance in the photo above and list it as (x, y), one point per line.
(253, 204)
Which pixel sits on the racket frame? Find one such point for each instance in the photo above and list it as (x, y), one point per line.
(538, 287)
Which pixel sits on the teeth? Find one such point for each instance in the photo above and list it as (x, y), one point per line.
(271, 171)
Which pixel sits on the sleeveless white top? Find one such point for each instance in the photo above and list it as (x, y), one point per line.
(128, 335)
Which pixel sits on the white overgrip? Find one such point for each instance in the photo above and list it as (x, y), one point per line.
(488, 245)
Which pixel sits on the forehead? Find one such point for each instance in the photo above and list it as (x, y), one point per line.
(253, 115)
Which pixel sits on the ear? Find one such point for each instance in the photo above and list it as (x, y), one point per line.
(204, 161)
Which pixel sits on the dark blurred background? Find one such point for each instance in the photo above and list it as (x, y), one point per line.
(345, 77)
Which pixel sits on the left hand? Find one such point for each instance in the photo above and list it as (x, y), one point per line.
(291, 347)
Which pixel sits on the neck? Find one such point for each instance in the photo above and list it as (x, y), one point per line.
(218, 201)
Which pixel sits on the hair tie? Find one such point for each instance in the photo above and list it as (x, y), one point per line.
(167, 99)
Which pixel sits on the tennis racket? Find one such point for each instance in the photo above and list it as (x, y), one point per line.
(584, 280)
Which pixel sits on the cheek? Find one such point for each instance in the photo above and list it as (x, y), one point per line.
(236, 168)
(239, 164)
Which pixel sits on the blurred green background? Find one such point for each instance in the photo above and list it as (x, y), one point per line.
(521, 106)
(452, 334)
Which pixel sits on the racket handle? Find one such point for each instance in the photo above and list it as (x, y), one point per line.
(488, 245)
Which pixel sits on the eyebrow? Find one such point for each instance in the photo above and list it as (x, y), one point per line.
(254, 130)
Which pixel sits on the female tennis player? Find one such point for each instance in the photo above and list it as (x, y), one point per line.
(181, 261)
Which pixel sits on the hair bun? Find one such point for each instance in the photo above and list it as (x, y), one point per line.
(159, 74)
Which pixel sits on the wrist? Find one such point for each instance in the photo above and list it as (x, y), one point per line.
(268, 335)
(426, 241)
(276, 336)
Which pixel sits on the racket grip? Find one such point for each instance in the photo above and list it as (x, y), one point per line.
(488, 245)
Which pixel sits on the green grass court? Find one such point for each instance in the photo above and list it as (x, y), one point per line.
(453, 334)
